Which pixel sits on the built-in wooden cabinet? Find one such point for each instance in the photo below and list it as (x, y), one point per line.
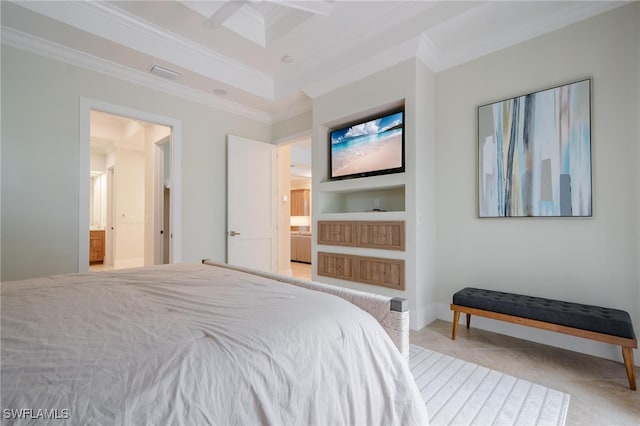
(96, 246)
(387, 235)
(382, 235)
(369, 270)
(301, 248)
(300, 202)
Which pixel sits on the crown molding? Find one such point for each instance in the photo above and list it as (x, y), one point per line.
(111, 23)
(295, 110)
(48, 49)
(318, 78)
(440, 60)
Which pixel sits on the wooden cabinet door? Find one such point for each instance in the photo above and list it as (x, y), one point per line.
(382, 272)
(336, 233)
(300, 202)
(96, 246)
(336, 266)
(301, 248)
(294, 247)
(380, 235)
(304, 248)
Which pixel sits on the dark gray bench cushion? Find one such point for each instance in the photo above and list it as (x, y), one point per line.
(586, 317)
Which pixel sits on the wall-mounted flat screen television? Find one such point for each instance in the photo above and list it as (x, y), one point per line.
(368, 147)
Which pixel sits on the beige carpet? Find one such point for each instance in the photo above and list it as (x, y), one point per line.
(457, 392)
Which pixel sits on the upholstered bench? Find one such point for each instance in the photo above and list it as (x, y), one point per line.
(591, 322)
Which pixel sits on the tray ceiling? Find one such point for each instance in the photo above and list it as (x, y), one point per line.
(269, 58)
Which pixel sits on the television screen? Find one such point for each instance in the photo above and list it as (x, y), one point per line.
(368, 148)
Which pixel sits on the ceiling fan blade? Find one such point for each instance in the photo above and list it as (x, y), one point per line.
(319, 7)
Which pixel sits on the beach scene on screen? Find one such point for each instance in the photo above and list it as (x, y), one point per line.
(367, 147)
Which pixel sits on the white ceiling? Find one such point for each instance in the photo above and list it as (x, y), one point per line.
(108, 131)
(271, 57)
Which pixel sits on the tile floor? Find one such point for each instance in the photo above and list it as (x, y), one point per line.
(98, 267)
(599, 389)
(301, 270)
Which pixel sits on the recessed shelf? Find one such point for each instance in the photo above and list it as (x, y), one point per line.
(374, 201)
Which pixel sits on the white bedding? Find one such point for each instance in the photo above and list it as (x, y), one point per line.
(193, 345)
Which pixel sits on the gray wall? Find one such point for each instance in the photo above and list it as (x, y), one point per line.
(593, 261)
(40, 162)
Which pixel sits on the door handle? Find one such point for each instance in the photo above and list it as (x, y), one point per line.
(233, 233)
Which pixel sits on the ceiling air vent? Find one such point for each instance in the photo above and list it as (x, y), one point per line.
(164, 72)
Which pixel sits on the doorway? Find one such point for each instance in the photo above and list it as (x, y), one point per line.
(129, 181)
(300, 230)
(136, 159)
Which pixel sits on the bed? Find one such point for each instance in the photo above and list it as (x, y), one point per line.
(195, 344)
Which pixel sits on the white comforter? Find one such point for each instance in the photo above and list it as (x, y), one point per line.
(194, 345)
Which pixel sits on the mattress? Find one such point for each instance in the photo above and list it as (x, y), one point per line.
(195, 344)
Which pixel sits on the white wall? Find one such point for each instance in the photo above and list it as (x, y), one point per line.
(129, 207)
(40, 161)
(592, 261)
(292, 127)
(423, 193)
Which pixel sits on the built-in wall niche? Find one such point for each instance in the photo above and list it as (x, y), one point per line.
(97, 200)
(390, 199)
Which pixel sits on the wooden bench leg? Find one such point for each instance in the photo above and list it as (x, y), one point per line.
(468, 320)
(627, 355)
(456, 319)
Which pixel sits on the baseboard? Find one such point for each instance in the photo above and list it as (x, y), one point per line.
(420, 317)
(564, 341)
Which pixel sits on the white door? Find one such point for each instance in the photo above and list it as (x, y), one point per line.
(251, 203)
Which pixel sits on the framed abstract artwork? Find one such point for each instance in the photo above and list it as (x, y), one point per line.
(534, 154)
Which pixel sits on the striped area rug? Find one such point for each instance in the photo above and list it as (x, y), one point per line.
(457, 392)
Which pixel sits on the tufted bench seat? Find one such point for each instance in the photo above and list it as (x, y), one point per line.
(591, 322)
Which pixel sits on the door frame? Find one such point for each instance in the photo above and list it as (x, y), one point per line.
(110, 235)
(86, 106)
(284, 209)
(158, 207)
